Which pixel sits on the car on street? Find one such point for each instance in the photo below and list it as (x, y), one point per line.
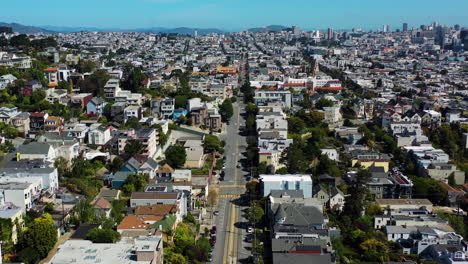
(213, 230)
(216, 212)
(213, 240)
(238, 166)
(250, 229)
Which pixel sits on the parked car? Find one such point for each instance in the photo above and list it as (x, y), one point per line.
(213, 230)
(250, 229)
(216, 212)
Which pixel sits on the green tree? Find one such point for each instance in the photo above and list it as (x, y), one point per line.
(135, 78)
(3, 41)
(184, 238)
(322, 102)
(116, 164)
(373, 209)
(295, 125)
(40, 236)
(226, 110)
(295, 159)
(29, 256)
(428, 188)
(134, 147)
(211, 143)
(61, 164)
(94, 83)
(355, 202)
(174, 258)
(21, 40)
(132, 122)
(176, 156)
(374, 250)
(83, 212)
(138, 181)
(98, 235)
(181, 101)
(86, 66)
(6, 228)
(255, 213)
(11, 132)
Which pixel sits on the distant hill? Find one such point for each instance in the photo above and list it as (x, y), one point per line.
(72, 29)
(25, 29)
(180, 30)
(272, 28)
(59, 29)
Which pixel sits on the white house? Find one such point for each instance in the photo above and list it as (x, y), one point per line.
(286, 182)
(99, 135)
(331, 153)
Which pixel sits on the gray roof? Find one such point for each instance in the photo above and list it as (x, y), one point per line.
(150, 162)
(31, 171)
(34, 148)
(288, 244)
(121, 175)
(97, 100)
(282, 258)
(284, 193)
(301, 215)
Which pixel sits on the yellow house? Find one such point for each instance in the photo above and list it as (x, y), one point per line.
(367, 163)
(226, 70)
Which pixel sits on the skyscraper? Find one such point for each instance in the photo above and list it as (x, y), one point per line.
(464, 37)
(296, 30)
(330, 33)
(386, 28)
(405, 27)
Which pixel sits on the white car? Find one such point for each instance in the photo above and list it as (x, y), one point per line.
(250, 229)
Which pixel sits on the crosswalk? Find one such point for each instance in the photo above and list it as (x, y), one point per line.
(229, 196)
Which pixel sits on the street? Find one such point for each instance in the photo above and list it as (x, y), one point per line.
(230, 246)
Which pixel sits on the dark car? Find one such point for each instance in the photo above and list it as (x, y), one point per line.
(213, 230)
(213, 240)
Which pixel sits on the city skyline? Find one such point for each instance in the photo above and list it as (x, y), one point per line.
(228, 16)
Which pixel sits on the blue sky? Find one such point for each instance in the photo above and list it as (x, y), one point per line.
(234, 14)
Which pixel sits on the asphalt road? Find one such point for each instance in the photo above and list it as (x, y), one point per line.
(230, 246)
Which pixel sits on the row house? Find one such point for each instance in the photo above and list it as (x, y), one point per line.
(99, 135)
(54, 124)
(163, 108)
(95, 106)
(264, 97)
(81, 100)
(12, 60)
(206, 117)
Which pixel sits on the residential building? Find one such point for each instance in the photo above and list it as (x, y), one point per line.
(286, 182)
(143, 249)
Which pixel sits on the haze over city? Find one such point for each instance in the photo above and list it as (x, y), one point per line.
(234, 132)
(233, 15)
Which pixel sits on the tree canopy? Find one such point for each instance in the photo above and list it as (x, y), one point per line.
(176, 156)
